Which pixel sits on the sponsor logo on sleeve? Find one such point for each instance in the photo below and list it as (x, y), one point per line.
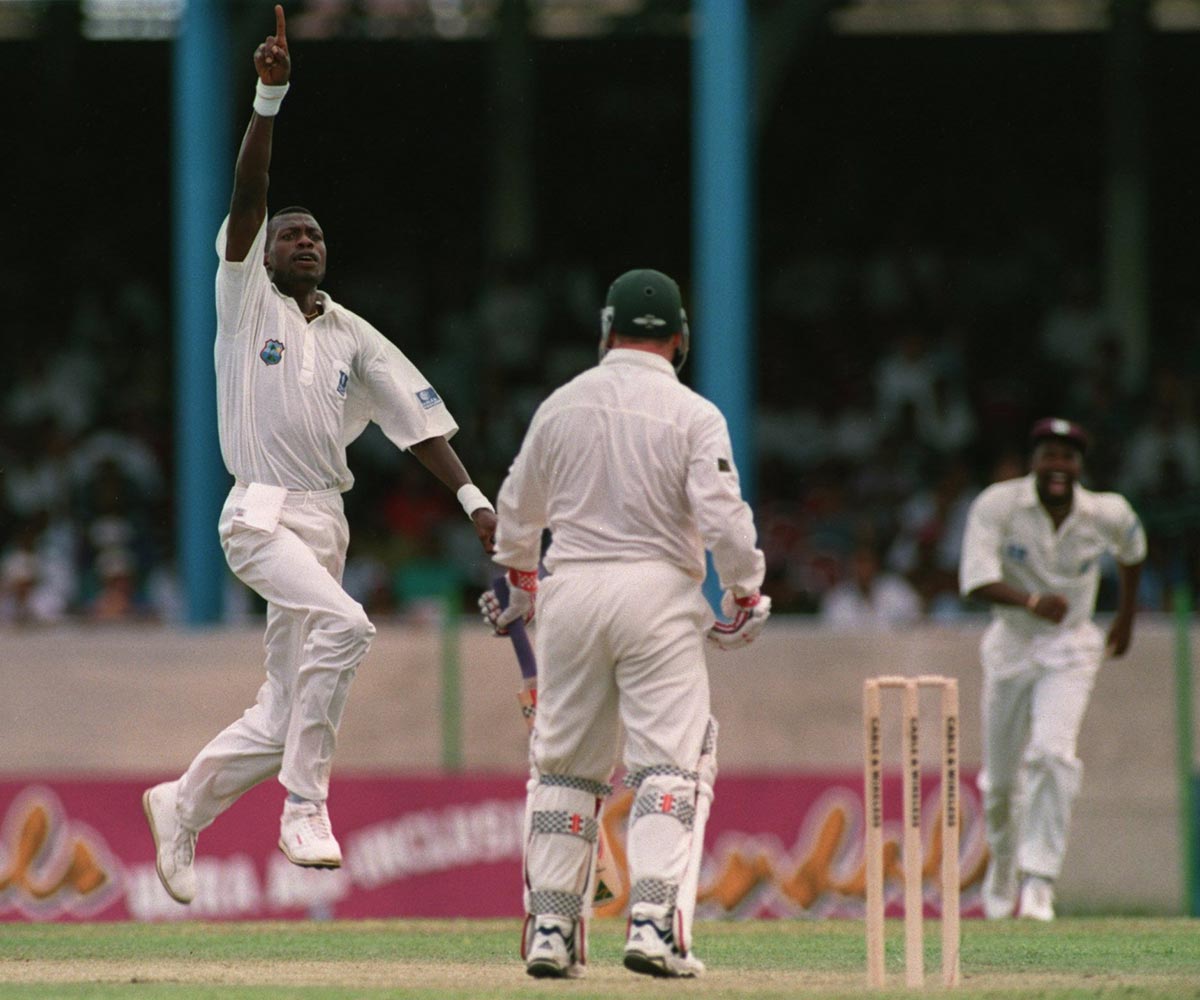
(428, 397)
(1015, 552)
(723, 465)
(343, 381)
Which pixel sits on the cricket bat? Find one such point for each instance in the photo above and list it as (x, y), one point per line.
(610, 880)
(527, 696)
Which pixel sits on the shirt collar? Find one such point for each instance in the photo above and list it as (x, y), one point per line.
(643, 359)
(327, 303)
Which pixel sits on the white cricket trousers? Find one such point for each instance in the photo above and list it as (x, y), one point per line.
(1035, 692)
(620, 641)
(616, 643)
(316, 637)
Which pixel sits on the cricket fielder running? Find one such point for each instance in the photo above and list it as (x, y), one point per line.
(298, 378)
(633, 473)
(1032, 549)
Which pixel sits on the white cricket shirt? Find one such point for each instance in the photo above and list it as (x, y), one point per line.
(1010, 538)
(292, 394)
(624, 463)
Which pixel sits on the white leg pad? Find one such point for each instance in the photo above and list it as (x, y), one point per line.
(685, 907)
(560, 845)
(666, 839)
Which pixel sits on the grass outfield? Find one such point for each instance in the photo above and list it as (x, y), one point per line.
(447, 960)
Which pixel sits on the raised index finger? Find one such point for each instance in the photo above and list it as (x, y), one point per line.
(280, 27)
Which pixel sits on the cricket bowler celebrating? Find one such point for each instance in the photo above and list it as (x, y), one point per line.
(298, 378)
(633, 473)
(1032, 549)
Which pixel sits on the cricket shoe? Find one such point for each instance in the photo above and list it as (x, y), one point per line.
(999, 890)
(650, 950)
(174, 846)
(1037, 899)
(306, 838)
(550, 953)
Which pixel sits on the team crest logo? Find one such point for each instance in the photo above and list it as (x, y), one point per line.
(272, 352)
(428, 397)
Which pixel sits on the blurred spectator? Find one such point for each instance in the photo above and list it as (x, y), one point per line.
(1098, 400)
(904, 378)
(871, 599)
(1075, 324)
(944, 421)
(57, 382)
(37, 572)
(928, 541)
(1163, 453)
(37, 473)
(116, 597)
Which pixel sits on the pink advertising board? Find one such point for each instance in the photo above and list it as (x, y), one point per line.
(777, 845)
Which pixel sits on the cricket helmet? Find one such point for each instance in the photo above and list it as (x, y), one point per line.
(644, 305)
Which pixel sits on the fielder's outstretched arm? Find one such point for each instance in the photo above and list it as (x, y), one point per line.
(437, 455)
(248, 205)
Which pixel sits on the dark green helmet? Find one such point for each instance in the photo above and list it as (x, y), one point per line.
(644, 305)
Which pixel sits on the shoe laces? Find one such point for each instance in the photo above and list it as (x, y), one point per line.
(184, 847)
(316, 818)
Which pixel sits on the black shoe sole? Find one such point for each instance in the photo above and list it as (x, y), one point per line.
(545, 970)
(636, 961)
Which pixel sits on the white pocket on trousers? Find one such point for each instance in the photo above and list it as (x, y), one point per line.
(260, 507)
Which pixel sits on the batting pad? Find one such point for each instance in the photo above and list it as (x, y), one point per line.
(660, 835)
(561, 843)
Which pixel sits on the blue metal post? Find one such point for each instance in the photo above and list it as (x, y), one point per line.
(722, 156)
(201, 170)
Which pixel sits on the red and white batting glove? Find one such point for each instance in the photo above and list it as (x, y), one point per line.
(747, 616)
(522, 594)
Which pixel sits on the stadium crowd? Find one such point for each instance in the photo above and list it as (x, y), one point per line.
(911, 397)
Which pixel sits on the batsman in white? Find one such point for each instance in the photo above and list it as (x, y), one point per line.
(633, 473)
(298, 378)
(1032, 549)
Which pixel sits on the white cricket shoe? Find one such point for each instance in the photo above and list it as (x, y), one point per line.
(174, 846)
(650, 950)
(1037, 899)
(551, 950)
(999, 890)
(306, 837)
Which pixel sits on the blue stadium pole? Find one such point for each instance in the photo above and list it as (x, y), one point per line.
(722, 139)
(201, 171)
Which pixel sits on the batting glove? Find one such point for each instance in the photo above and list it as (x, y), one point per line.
(747, 616)
(522, 593)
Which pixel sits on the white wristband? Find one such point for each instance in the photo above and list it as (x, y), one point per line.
(268, 97)
(472, 499)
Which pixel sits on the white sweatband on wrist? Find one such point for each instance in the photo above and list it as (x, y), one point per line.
(268, 97)
(472, 499)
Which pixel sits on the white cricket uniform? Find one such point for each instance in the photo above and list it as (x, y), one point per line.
(1038, 676)
(633, 473)
(291, 395)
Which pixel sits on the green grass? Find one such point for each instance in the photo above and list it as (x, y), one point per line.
(454, 960)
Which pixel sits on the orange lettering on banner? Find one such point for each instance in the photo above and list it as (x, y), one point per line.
(745, 868)
(30, 855)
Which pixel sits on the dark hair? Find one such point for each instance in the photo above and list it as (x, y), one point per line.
(290, 210)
